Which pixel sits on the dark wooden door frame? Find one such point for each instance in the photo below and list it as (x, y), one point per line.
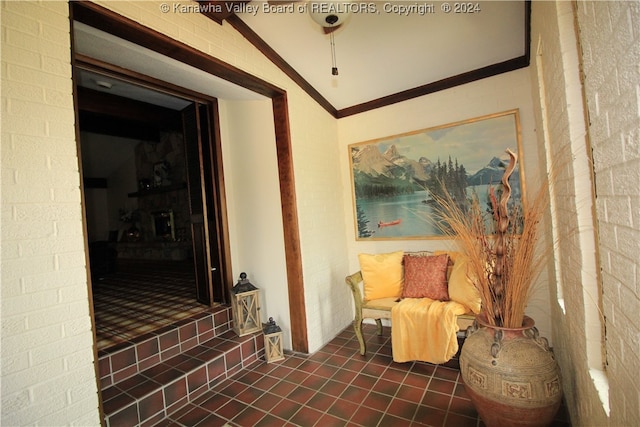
(211, 285)
(108, 21)
(198, 201)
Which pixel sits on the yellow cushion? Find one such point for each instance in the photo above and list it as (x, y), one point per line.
(382, 275)
(461, 288)
(381, 304)
(452, 255)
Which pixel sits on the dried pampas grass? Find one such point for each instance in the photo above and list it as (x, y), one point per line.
(503, 256)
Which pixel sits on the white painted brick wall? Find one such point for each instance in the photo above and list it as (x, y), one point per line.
(554, 39)
(609, 33)
(48, 382)
(610, 36)
(48, 376)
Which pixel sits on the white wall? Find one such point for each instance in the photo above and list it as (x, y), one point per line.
(253, 205)
(600, 350)
(255, 217)
(496, 94)
(561, 114)
(323, 234)
(612, 88)
(48, 374)
(610, 39)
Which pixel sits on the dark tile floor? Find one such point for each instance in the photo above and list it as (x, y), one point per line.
(338, 387)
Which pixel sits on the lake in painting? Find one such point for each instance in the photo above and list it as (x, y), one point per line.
(416, 216)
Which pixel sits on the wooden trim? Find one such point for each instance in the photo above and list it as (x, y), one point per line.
(284, 66)
(297, 310)
(219, 10)
(108, 21)
(448, 83)
(224, 243)
(527, 30)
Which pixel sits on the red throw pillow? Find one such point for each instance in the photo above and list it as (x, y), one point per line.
(426, 277)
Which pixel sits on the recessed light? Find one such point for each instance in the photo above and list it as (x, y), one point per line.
(104, 85)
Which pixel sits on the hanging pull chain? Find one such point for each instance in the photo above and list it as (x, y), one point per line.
(334, 68)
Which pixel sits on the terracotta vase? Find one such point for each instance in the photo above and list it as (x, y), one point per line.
(510, 375)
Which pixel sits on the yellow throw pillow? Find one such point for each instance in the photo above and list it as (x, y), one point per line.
(452, 254)
(461, 289)
(382, 275)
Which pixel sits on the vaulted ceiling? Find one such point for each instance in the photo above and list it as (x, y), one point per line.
(385, 51)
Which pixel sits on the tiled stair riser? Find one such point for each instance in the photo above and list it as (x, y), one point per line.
(144, 381)
(147, 398)
(123, 361)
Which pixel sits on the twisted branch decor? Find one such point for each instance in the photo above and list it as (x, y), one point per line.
(499, 277)
(503, 259)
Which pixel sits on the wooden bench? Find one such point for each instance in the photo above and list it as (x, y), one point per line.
(379, 309)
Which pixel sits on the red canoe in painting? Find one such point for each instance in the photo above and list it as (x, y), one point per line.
(386, 224)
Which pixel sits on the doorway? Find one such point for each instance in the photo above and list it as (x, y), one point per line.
(152, 206)
(105, 35)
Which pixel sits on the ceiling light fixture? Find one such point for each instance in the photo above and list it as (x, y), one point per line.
(104, 85)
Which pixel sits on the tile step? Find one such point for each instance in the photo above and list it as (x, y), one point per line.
(156, 392)
(122, 361)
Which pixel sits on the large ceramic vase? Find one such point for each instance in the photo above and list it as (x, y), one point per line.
(510, 375)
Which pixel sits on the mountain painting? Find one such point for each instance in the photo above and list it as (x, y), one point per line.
(394, 178)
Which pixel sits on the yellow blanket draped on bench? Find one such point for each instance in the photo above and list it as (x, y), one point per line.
(424, 329)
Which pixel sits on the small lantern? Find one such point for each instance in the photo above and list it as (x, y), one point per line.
(245, 305)
(273, 350)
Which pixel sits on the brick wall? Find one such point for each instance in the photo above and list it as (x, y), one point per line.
(596, 253)
(610, 39)
(47, 358)
(48, 374)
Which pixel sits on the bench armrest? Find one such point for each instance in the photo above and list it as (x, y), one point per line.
(353, 281)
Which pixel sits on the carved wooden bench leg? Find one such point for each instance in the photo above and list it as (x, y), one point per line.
(357, 326)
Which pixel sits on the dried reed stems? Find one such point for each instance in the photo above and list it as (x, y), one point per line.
(503, 258)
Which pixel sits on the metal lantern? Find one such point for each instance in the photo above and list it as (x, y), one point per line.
(273, 350)
(245, 304)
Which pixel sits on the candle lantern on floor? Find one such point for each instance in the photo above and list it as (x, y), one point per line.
(273, 350)
(245, 304)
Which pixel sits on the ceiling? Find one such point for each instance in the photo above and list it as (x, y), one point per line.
(385, 52)
(100, 45)
(385, 48)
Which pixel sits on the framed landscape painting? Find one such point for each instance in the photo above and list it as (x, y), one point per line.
(393, 178)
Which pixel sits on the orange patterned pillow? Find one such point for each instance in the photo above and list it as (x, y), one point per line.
(426, 277)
